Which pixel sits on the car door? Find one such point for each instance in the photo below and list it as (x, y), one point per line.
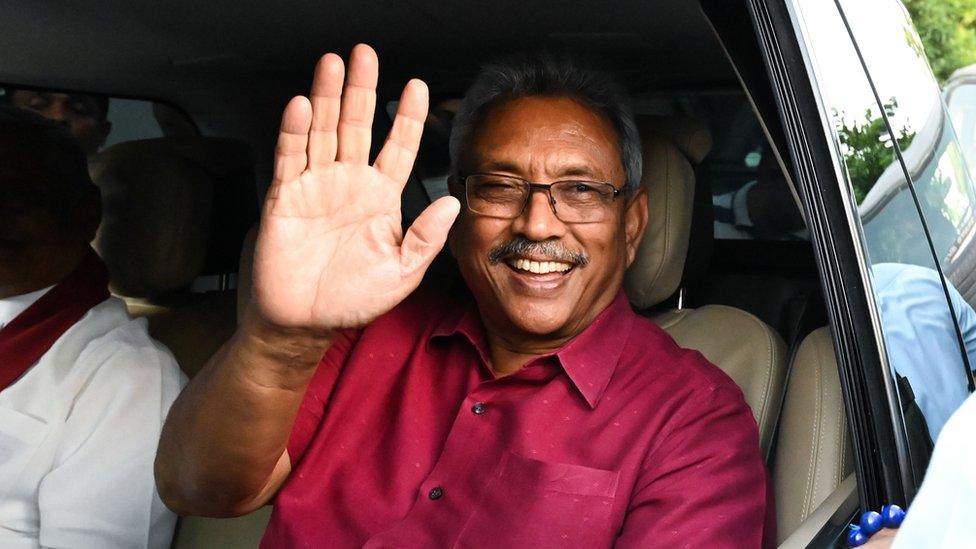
(908, 199)
(889, 202)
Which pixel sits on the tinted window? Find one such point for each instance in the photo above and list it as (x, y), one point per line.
(99, 121)
(750, 196)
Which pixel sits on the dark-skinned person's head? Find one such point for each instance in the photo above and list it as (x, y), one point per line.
(86, 116)
(546, 161)
(49, 207)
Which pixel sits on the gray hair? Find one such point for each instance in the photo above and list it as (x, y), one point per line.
(547, 74)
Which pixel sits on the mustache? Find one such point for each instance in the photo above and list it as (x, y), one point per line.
(550, 249)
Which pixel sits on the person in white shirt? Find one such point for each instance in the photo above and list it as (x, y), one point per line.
(83, 388)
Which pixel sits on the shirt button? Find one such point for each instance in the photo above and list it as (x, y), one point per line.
(435, 492)
(479, 408)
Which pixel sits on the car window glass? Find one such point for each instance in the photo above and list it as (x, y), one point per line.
(962, 111)
(750, 196)
(128, 119)
(751, 199)
(920, 340)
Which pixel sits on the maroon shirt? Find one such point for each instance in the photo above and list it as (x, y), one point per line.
(406, 439)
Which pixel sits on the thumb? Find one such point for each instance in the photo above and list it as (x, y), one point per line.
(427, 234)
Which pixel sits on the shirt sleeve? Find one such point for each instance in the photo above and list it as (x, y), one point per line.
(101, 491)
(704, 484)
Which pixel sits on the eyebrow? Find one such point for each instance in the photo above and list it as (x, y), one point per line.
(572, 170)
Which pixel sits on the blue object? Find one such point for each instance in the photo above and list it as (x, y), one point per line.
(856, 537)
(921, 340)
(892, 516)
(871, 523)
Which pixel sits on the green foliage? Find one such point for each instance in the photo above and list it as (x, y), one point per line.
(948, 32)
(867, 148)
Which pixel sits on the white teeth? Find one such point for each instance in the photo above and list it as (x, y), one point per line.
(540, 267)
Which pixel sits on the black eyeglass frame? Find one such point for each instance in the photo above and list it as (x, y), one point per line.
(547, 187)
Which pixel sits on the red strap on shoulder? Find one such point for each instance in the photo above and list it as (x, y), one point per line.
(25, 340)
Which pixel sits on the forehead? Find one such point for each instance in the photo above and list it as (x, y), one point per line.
(551, 134)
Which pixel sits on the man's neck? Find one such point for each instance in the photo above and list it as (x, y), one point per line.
(40, 270)
(507, 357)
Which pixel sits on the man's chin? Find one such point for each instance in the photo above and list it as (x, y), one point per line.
(533, 318)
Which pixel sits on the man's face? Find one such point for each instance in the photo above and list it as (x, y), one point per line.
(81, 113)
(543, 140)
(38, 240)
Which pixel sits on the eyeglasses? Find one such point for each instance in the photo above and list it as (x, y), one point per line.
(505, 197)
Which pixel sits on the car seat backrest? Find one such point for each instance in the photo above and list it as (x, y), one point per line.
(744, 347)
(813, 448)
(670, 145)
(157, 202)
(155, 217)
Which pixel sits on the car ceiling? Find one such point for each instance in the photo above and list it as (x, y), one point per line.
(182, 48)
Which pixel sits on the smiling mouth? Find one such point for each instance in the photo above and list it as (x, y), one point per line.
(538, 267)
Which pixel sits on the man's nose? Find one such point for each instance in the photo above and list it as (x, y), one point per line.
(538, 220)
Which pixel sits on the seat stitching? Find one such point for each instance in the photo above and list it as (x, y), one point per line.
(821, 420)
(811, 484)
(841, 427)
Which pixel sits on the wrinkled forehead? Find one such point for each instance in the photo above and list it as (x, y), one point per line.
(557, 136)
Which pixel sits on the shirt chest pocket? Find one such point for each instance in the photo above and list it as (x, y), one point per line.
(528, 502)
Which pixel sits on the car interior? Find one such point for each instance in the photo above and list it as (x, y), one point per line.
(725, 266)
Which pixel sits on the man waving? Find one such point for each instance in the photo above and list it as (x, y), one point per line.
(534, 407)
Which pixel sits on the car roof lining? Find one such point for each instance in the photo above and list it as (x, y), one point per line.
(129, 48)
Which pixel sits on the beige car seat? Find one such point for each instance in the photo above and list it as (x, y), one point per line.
(157, 201)
(813, 447)
(744, 347)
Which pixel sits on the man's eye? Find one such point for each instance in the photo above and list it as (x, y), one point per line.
(38, 103)
(582, 188)
(497, 185)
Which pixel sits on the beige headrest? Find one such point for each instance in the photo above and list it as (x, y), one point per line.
(156, 205)
(670, 145)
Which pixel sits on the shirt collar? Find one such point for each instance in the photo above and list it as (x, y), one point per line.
(589, 359)
(11, 307)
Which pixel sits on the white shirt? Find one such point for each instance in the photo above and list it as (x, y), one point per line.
(78, 436)
(942, 513)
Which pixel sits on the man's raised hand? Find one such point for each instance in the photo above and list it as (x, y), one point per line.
(330, 253)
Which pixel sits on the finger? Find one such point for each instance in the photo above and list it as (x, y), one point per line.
(427, 235)
(326, 96)
(358, 104)
(400, 150)
(290, 157)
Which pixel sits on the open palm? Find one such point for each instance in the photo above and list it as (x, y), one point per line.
(330, 252)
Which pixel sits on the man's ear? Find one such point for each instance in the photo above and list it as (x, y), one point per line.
(455, 188)
(635, 221)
